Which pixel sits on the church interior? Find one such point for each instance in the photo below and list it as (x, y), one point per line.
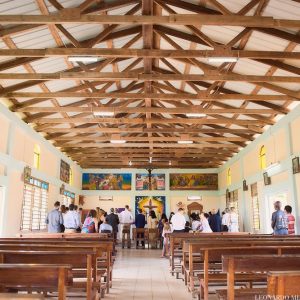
(149, 149)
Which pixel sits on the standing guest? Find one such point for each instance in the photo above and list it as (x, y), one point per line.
(196, 224)
(126, 219)
(105, 227)
(140, 222)
(233, 224)
(71, 220)
(90, 224)
(225, 220)
(166, 240)
(161, 223)
(113, 220)
(291, 219)
(54, 219)
(170, 217)
(204, 223)
(152, 224)
(215, 221)
(178, 221)
(279, 221)
(78, 217)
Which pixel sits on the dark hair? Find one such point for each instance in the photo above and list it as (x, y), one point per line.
(171, 215)
(67, 209)
(152, 214)
(71, 206)
(106, 219)
(112, 210)
(126, 206)
(288, 209)
(140, 210)
(57, 204)
(63, 209)
(92, 213)
(75, 207)
(80, 208)
(164, 217)
(180, 209)
(194, 216)
(206, 215)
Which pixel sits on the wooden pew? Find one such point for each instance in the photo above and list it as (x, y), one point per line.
(11, 296)
(41, 277)
(79, 259)
(104, 246)
(284, 283)
(234, 265)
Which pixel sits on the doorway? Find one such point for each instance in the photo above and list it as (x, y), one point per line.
(270, 199)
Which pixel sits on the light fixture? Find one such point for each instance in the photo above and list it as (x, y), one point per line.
(222, 59)
(195, 115)
(103, 113)
(272, 166)
(116, 139)
(185, 139)
(83, 58)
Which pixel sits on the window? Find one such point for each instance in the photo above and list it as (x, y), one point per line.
(262, 158)
(228, 177)
(35, 205)
(255, 208)
(67, 198)
(36, 156)
(71, 177)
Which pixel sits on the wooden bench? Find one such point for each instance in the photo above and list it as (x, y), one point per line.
(284, 283)
(41, 277)
(104, 250)
(252, 265)
(79, 260)
(11, 296)
(140, 235)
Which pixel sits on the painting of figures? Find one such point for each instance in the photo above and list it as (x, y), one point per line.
(147, 203)
(193, 181)
(101, 181)
(157, 182)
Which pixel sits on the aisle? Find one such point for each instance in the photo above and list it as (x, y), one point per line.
(143, 275)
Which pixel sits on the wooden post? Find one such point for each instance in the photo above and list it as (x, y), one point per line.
(62, 283)
(230, 279)
(205, 270)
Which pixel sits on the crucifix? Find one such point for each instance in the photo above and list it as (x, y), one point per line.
(149, 178)
(149, 206)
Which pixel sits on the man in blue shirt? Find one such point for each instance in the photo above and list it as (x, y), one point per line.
(279, 220)
(140, 222)
(54, 219)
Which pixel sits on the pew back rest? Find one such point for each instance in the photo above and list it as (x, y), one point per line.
(284, 283)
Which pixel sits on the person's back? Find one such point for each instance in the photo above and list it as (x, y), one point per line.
(71, 221)
(54, 219)
(279, 220)
(126, 216)
(105, 227)
(113, 220)
(178, 221)
(90, 224)
(290, 219)
(140, 221)
(215, 221)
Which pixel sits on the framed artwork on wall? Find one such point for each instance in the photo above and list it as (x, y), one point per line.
(296, 166)
(267, 179)
(245, 186)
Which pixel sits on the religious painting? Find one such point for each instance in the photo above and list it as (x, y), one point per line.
(64, 171)
(267, 179)
(147, 203)
(109, 181)
(193, 181)
(296, 166)
(157, 182)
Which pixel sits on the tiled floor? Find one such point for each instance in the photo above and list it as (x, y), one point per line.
(143, 275)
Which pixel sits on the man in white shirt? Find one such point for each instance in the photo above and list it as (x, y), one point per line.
(178, 221)
(225, 220)
(71, 221)
(126, 218)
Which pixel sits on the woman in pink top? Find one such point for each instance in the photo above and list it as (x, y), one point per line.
(291, 219)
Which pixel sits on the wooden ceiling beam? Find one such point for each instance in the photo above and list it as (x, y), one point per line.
(117, 109)
(159, 96)
(73, 16)
(146, 53)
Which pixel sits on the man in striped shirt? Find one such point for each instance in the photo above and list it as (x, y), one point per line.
(291, 219)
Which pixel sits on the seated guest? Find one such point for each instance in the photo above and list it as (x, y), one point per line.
(54, 219)
(113, 221)
(90, 224)
(71, 221)
(105, 227)
(140, 222)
